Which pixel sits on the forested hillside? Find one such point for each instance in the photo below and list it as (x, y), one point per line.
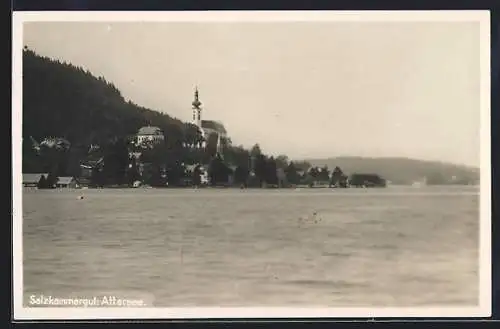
(62, 100)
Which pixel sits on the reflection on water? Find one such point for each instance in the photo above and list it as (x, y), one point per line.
(390, 247)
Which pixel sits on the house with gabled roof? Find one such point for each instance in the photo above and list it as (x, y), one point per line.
(67, 182)
(33, 179)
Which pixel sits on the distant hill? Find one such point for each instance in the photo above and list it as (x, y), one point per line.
(403, 170)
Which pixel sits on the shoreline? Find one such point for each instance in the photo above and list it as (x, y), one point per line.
(246, 188)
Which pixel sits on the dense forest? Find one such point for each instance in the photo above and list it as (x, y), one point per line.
(71, 117)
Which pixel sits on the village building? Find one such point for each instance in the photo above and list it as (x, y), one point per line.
(67, 182)
(149, 135)
(32, 180)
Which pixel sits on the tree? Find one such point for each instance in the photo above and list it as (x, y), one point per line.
(51, 180)
(260, 168)
(157, 179)
(97, 177)
(116, 160)
(211, 147)
(282, 161)
(133, 172)
(271, 172)
(314, 172)
(255, 151)
(54, 155)
(302, 165)
(73, 159)
(309, 180)
(238, 156)
(291, 174)
(324, 174)
(197, 176)
(241, 175)
(175, 172)
(338, 178)
(42, 183)
(193, 156)
(218, 171)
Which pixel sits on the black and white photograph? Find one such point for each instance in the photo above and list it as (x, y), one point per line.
(251, 164)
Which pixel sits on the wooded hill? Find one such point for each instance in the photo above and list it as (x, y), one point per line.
(60, 99)
(64, 101)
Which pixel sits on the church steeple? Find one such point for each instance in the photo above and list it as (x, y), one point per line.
(196, 108)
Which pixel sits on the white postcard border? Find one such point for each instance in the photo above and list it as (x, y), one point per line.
(23, 313)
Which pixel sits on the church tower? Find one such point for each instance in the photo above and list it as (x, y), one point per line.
(196, 109)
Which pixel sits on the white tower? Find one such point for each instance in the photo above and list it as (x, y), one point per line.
(196, 109)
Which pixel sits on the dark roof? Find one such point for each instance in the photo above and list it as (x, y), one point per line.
(64, 180)
(214, 125)
(149, 130)
(33, 178)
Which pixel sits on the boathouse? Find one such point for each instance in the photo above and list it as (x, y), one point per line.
(32, 180)
(67, 182)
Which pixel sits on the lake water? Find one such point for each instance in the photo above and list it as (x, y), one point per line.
(229, 247)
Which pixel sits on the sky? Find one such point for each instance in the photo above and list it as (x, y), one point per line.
(304, 89)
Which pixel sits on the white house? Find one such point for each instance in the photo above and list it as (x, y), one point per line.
(149, 134)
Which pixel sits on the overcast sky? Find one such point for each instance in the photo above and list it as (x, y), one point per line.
(305, 89)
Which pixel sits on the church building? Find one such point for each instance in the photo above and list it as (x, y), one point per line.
(207, 127)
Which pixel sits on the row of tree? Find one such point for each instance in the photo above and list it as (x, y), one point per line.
(160, 164)
(47, 182)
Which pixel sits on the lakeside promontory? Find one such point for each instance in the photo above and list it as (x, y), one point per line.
(78, 125)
